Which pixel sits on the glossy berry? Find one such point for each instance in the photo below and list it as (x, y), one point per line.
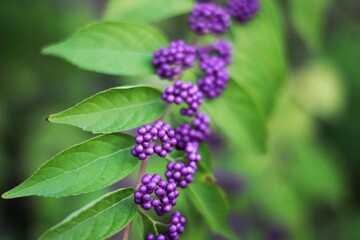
(243, 10)
(209, 18)
(174, 229)
(220, 50)
(154, 192)
(184, 92)
(198, 131)
(169, 62)
(159, 139)
(216, 77)
(180, 174)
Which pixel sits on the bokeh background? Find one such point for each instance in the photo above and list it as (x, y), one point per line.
(305, 187)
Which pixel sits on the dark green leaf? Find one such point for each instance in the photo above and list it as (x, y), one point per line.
(239, 120)
(308, 19)
(146, 10)
(257, 74)
(112, 48)
(206, 162)
(114, 110)
(91, 165)
(211, 203)
(99, 219)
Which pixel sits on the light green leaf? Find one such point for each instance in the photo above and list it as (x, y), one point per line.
(257, 74)
(149, 225)
(112, 48)
(211, 203)
(206, 161)
(146, 10)
(114, 110)
(98, 220)
(91, 165)
(308, 18)
(240, 120)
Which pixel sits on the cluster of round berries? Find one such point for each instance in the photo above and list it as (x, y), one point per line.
(169, 62)
(243, 10)
(165, 194)
(180, 174)
(209, 18)
(206, 18)
(187, 92)
(159, 132)
(176, 227)
(220, 50)
(198, 131)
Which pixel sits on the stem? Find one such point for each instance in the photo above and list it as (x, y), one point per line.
(127, 231)
(141, 172)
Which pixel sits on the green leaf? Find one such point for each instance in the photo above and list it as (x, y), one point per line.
(112, 48)
(206, 161)
(114, 110)
(257, 73)
(146, 10)
(239, 120)
(99, 219)
(91, 165)
(308, 18)
(211, 203)
(149, 225)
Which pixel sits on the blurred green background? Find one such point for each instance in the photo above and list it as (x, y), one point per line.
(305, 187)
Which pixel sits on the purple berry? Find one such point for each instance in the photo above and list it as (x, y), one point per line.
(159, 132)
(221, 50)
(169, 62)
(180, 174)
(188, 136)
(243, 10)
(209, 18)
(155, 192)
(216, 77)
(174, 229)
(184, 92)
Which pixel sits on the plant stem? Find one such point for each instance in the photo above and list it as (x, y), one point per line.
(138, 181)
(141, 172)
(127, 231)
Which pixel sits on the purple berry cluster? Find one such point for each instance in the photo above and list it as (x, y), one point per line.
(169, 62)
(184, 92)
(209, 18)
(147, 138)
(215, 79)
(220, 50)
(243, 10)
(193, 134)
(180, 174)
(160, 138)
(156, 192)
(175, 228)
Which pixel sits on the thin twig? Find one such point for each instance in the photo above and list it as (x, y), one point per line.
(127, 231)
(141, 172)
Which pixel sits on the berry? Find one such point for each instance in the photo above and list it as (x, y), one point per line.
(159, 132)
(243, 10)
(216, 77)
(184, 92)
(209, 18)
(180, 174)
(188, 136)
(157, 193)
(174, 229)
(169, 62)
(221, 50)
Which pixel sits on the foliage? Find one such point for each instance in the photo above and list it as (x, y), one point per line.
(294, 171)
